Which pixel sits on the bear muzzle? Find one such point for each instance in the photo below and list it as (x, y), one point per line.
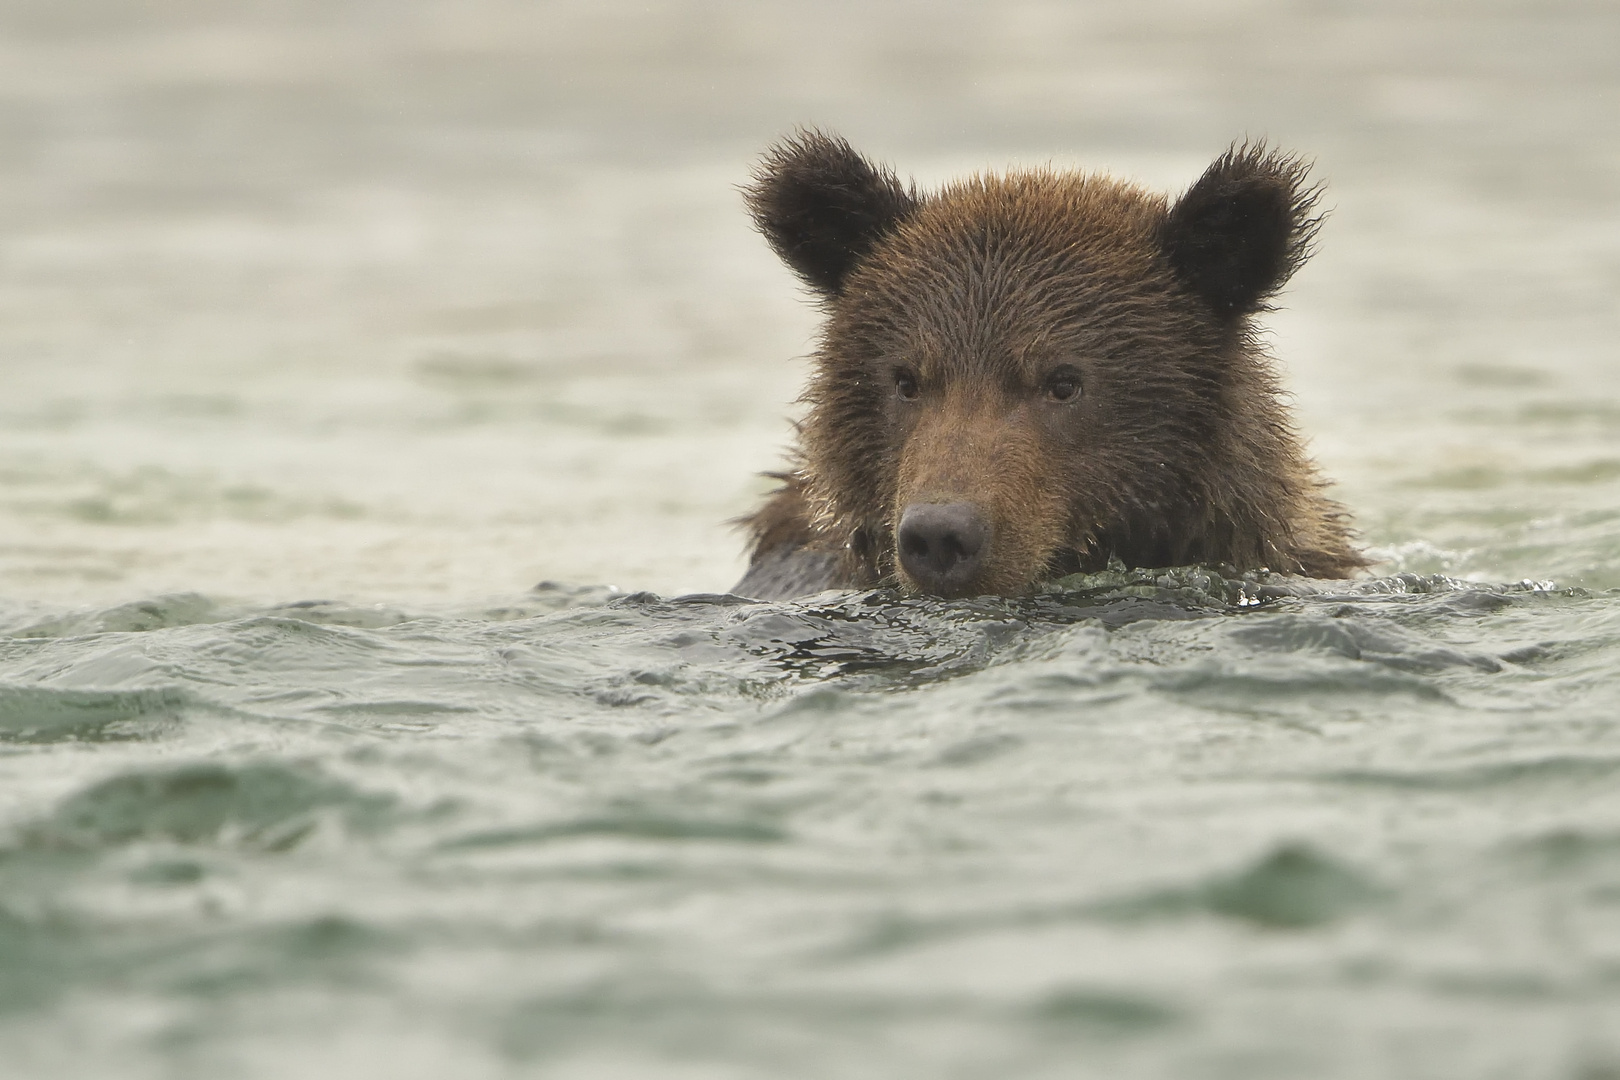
(943, 547)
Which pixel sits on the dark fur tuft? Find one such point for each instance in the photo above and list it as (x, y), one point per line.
(1241, 231)
(823, 207)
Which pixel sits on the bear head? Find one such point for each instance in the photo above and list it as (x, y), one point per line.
(1027, 374)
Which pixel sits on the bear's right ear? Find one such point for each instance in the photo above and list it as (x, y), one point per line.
(823, 207)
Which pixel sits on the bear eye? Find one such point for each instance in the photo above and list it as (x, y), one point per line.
(905, 384)
(1063, 384)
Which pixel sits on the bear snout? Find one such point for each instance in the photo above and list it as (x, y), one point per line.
(942, 547)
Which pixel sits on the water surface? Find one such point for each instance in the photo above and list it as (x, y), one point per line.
(328, 330)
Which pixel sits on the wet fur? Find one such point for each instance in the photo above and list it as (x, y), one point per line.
(1179, 448)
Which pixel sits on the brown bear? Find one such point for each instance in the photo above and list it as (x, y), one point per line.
(1028, 375)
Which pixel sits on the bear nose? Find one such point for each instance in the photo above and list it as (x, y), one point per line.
(942, 546)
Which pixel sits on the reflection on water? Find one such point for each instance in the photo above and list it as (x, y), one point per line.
(320, 324)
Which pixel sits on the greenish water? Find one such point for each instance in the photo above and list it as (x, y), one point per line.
(1157, 825)
(328, 329)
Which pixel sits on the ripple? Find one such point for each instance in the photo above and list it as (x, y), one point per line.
(1293, 887)
(41, 715)
(258, 805)
(1540, 772)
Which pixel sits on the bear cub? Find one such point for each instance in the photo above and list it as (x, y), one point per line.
(1025, 376)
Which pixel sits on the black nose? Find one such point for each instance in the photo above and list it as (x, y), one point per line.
(942, 546)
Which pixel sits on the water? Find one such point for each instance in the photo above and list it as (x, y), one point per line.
(1150, 826)
(327, 330)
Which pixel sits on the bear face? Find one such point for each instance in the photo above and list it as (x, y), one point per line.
(1021, 376)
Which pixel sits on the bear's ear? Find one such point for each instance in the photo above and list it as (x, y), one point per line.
(822, 206)
(1241, 231)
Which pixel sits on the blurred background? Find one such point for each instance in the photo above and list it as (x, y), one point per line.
(429, 299)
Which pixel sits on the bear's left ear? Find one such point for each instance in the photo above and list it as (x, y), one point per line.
(1241, 231)
(823, 207)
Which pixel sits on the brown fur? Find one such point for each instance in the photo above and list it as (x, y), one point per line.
(952, 320)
